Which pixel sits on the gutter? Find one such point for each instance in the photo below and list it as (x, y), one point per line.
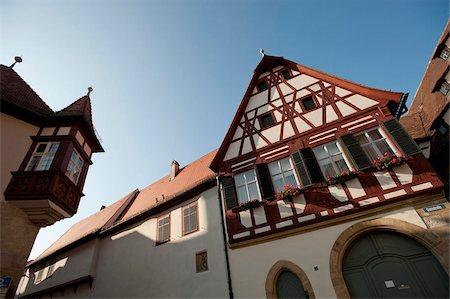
(225, 247)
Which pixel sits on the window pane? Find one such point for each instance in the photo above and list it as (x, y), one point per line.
(290, 178)
(53, 148)
(278, 182)
(242, 194)
(285, 165)
(374, 135)
(193, 222)
(320, 153)
(253, 191)
(33, 163)
(274, 168)
(332, 148)
(362, 139)
(239, 180)
(308, 103)
(41, 148)
(383, 147)
(370, 152)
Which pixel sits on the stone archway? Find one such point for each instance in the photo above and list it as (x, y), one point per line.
(275, 272)
(425, 237)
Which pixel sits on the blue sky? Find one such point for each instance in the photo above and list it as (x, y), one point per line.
(168, 76)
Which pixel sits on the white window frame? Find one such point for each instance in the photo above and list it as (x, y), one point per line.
(158, 237)
(385, 137)
(44, 159)
(246, 184)
(188, 206)
(73, 170)
(444, 89)
(445, 53)
(283, 172)
(330, 157)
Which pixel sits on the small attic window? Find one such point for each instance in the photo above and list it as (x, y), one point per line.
(266, 120)
(286, 74)
(445, 88)
(445, 53)
(262, 85)
(308, 103)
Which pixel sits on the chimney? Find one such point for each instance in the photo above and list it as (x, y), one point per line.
(174, 168)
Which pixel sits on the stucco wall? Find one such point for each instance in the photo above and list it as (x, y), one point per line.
(130, 264)
(15, 142)
(308, 250)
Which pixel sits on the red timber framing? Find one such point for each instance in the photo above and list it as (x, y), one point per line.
(341, 108)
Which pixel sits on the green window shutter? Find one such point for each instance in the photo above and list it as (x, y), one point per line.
(311, 164)
(264, 181)
(301, 169)
(355, 152)
(404, 142)
(229, 192)
(307, 167)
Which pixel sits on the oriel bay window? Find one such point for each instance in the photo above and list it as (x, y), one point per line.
(330, 159)
(282, 174)
(74, 167)
(42, 157)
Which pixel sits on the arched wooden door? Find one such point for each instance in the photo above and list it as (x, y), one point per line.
(391, 265)
(289, 286)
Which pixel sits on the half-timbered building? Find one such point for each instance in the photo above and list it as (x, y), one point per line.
(326, 195)
(45, 157)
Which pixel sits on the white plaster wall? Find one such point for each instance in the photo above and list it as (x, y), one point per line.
(250, 265)
(78, 263)
(15, 143)
(131, 265)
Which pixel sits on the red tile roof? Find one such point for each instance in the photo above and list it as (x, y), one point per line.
(414, 124)
(89, 225)
(81, 107)
(14, 90)
(188, 177)
(164, 190)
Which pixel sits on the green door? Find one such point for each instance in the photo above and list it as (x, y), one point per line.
(289, 286)
(391, 265)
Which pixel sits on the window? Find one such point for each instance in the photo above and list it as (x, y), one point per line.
(266, 120)
(330, 159)
(163, 230)
(43, 156)
(74, 167)
(445, 87)
(282, 174)
(445, 53)
(308, 103)
(373, 144)
(39, 275)
(286, 74)
(51, 269)
(247, 186)
(262, 85)
(201, 261)
(190, 220)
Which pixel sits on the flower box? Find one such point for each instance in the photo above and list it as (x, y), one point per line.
(342, 177)
(388, 161)
(251, 204)
(287, 193)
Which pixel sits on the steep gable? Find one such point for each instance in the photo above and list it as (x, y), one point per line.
(295, 99)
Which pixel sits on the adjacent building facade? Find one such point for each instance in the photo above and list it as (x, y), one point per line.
(428, 118)
(45, 156)
(316, 191)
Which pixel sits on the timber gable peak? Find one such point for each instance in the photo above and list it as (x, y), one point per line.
(286, 100)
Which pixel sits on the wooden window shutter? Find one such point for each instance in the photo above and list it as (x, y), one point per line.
(311, 164)
(301, 169)
(355, 152)
(404, 142)
(229, 192)
(264, 181)
(307, 167)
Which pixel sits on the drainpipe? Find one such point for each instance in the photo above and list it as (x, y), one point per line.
(227, 261)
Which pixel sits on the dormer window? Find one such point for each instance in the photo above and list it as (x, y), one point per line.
(286, 74)
(266, 120)
(445, 53)
(262, 85)
(74, 167)
(42, 157)
(308, 103)
(445, 88)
